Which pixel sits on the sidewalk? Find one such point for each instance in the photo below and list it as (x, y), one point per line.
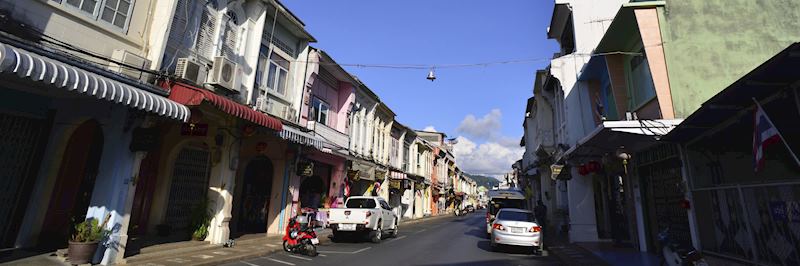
(570, 254)
(597, 253)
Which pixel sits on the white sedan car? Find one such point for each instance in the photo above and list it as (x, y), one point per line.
(516, 227)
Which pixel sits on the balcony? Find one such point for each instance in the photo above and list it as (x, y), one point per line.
(330, 135)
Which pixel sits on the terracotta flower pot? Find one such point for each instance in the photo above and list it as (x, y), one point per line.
(81, 252)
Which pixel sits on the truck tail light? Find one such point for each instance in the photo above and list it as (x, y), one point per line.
(535, 229)
(498, 227)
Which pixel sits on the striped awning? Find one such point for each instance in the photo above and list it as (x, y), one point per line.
(191, 95)
(298, 136)
(70, 77)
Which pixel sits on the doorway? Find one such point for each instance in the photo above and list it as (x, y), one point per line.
(255, 195)
(74, 185)
(189, 187)
(145, 187)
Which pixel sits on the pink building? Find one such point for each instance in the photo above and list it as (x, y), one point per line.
(328, 94)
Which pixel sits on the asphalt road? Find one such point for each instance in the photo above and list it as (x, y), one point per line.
(444, 241)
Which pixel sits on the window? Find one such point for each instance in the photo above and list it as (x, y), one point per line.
(277, 73)
(318, 111)
(641, 82)
(115, 12)
(360, 204)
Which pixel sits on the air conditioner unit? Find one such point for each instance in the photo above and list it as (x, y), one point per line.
(291, 114)
(262, 103)
(223, 74)
(130, 60)
(191, 70)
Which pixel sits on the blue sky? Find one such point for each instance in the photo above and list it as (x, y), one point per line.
(443, 32)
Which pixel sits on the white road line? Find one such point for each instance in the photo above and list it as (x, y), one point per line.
(335, 252)
(280, 261)
(251, 264)
(270, 245)
(357, 251)
(398, 238)
(298, 257)
(322, 255)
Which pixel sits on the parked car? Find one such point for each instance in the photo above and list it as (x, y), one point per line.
(499, 199)
(365, 216)
(516, 227)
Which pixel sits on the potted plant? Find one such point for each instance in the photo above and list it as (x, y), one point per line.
(200, 220)
(83, 243)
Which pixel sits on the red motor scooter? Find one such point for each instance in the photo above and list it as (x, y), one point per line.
(300, 236)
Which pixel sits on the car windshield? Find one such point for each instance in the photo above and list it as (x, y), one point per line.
(496, 205)
(361, 203)
(516, 216)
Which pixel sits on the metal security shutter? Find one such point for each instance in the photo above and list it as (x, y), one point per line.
(189, 185)
(18, 145)
(205, 35)
(231, 38)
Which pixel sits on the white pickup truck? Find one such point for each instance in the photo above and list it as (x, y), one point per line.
(366, 216)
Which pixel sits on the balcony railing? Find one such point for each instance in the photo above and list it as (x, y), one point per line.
(331, 135)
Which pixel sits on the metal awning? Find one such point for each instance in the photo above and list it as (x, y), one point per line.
(70, 77)
(299, 136)
(610, 135)
(190, 95)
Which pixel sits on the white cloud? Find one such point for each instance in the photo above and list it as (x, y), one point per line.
(430, 129)
(485, 127)
(490, 158)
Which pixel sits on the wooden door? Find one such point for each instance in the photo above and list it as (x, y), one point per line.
(72, 192)
(145, 187)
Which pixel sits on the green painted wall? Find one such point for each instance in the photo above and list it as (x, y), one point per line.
(709, 44)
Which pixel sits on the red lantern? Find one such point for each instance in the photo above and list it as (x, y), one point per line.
(686, 204)
(248, 130)
(583, 170)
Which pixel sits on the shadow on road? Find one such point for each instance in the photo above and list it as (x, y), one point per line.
(486, 245)
(477, 232)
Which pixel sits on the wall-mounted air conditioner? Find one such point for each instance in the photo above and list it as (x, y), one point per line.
(262, 103)
(223, 74)
(133, 64)
(191, 70)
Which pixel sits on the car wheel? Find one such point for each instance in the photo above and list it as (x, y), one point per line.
(396, 230)
(377, 234)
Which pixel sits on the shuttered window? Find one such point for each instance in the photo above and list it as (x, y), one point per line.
(205, 36)
(231, 37)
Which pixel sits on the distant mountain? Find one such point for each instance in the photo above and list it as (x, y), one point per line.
(486, 181)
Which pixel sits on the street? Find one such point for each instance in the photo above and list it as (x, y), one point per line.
(445, 241)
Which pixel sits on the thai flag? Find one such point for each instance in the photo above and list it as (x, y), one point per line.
(764, 133)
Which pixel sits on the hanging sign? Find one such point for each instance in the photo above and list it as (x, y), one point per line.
(200, 130)
(305, 168)
(555, 170)
(394, 184)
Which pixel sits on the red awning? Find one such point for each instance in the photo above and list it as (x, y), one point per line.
(190, 95)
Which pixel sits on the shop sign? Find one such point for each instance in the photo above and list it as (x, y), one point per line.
(144, 139)
(555, 170)
(419, 186)
(394, 184)
(200, 130)
(261, 147)
(353, 174)
(305, 168)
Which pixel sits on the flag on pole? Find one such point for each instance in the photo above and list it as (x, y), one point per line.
(764, 134)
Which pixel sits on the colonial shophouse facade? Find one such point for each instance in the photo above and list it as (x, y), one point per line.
(149, 113)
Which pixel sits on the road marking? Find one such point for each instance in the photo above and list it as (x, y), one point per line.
(398, 238)
(280, 261)
(270, 245)
(298, 257)
(251, 264)
(336, 252)
(357, 251)
(422, 230)
(220, 253)
(201, 256)
(322, 255)
(178, 260)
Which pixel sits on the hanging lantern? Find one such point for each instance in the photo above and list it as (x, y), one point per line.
(583, 170)
(685, 204)
(431, 75)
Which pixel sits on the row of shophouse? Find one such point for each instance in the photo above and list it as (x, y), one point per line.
(644, 120)
(140, 110)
